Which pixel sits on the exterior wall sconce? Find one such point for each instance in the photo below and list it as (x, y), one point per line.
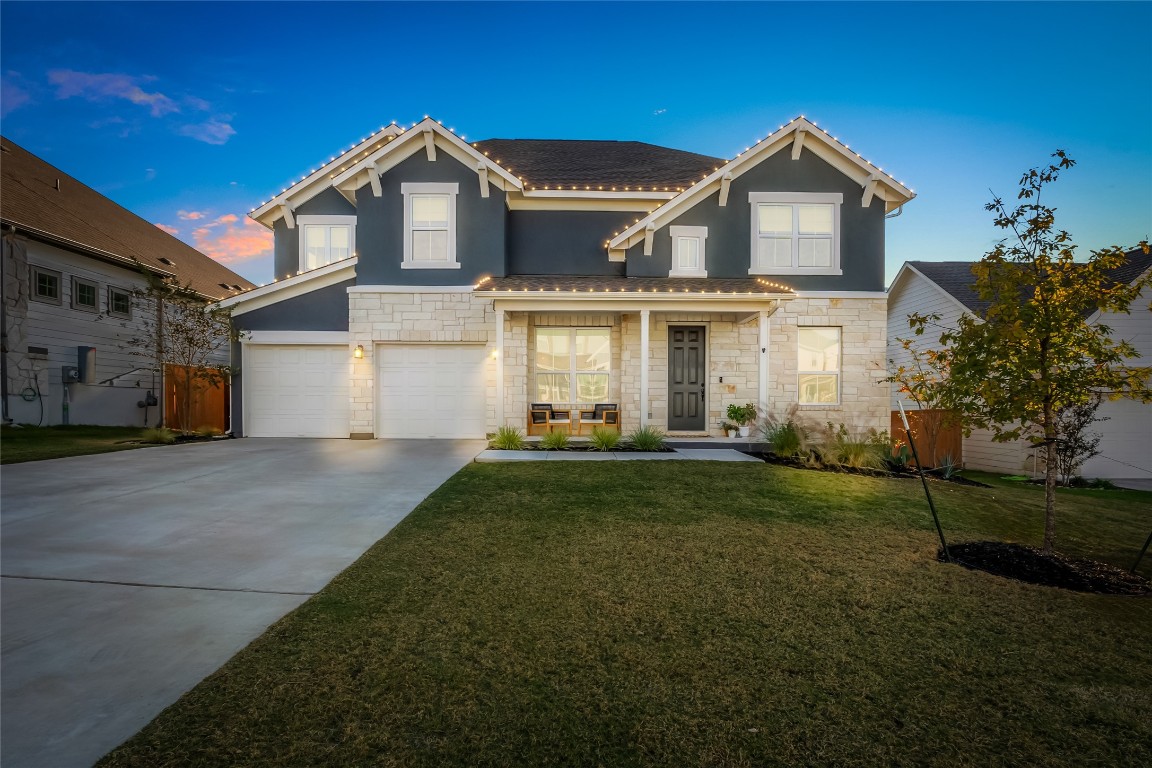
(358, 353)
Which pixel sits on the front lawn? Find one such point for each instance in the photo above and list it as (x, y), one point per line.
(35, 443)
(675, 613)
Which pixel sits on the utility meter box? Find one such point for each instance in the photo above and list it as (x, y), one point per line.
(70, 374)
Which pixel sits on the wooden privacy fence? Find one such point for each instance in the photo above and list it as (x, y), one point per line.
(936, 436)
(209, 403)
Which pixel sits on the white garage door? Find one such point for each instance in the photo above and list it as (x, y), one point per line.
(296, 390)
(431, 391)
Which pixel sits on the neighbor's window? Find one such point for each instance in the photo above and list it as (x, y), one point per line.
(688, 251)
(84, 294)
(819, 366)
(430, 226)
(573, 364)
(325, 239)
(46, 285)
(119, 302)
(795, 233)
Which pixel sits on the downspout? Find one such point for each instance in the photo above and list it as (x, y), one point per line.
(899, 211)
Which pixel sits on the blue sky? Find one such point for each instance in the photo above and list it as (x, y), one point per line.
(191, 114)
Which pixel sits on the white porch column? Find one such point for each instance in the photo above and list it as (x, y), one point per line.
(762, 405)
(499, 368)
(644, 322)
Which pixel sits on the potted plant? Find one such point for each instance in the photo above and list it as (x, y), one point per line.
(730, 429)
(742, 416)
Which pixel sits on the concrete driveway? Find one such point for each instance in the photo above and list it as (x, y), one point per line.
(129, 577)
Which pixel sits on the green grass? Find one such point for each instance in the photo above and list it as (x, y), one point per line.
(696, 614)
(19, 444)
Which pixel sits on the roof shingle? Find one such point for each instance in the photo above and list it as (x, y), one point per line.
(75, 213)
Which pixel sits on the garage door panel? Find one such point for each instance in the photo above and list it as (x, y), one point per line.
(296, 391)
(431, 391)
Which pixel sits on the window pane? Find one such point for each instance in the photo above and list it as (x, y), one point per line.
(85, 295)
(430, 210)
(815, 219)
(819, 349)
(591, 387)
(47, 285)
(430, 245)
(775, 252)
(776, 219)
(552, 350)
(553, 388)
(815, 252)
(340, 239)
(688, 252)
(315, 246)
(120, 303)
(593, 349)
(818, 388)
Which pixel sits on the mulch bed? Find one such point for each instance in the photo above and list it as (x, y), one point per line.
(772, 458)
(1030, 565)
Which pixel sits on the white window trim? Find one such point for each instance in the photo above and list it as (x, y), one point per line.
(701, 235)
(573, 372)
(35, 295)
(428, 188)
(74, 302)
(795, 198)
(839, 369)
(303, 222)
(112, 289)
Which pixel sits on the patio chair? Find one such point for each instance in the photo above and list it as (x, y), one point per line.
(601, 415)
(542, 418)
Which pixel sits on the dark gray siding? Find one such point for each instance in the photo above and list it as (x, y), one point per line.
(325, 309)
(564, 242)
(729, 244)
(480, 226)
(287, 243)
(236, 416)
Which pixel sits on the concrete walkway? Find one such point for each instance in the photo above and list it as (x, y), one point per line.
(129, 577)
(678, 454)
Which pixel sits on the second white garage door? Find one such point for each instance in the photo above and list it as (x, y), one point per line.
(435, 390)
(296, 390)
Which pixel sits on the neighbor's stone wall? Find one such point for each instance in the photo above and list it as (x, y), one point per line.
(427, 318)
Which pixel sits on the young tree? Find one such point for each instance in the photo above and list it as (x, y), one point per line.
(921, 381)
(1076, 444)
(182, 329)
(1031, 353)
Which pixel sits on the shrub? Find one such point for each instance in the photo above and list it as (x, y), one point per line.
(604, 439)
(784, 434)
(158, 436)
(837, 446)
(898, 462)
(647, 439)
(554, 441)
(948, 467)
(742, 415)
(507, 439)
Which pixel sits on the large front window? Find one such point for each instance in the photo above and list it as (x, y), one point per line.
(325, 239)
(573, 364)
(819, 366)
(794, 233)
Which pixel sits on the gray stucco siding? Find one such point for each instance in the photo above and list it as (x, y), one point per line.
(236, 390)
(564, 242)
(325, 309)
(728, 249)
(286, 252)
(380, 226)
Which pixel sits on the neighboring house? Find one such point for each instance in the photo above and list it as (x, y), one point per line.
(72, 259)
(946, 288)
(429, 287)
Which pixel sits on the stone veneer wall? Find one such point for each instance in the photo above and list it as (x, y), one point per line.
(429, 318)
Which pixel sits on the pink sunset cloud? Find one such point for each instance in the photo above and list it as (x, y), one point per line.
(191, 215)
(103, 86)
(231, 240)
(170, 230)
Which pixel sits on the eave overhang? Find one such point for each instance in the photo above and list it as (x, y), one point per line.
(279, 290)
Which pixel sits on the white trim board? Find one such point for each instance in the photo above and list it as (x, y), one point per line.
(410, 288)
(295, 337)
(291, 287)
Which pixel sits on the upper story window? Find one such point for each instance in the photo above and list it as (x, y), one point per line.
(795, 233)
(818, 366)
(325, 239)
(119, 302)
(430, 226)
(688, 251)
(46, 285)
(85, 294)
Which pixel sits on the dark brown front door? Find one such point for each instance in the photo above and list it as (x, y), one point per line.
(686, 378)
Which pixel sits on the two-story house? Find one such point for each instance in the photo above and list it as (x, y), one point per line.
(72, 268)
(431, 287)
